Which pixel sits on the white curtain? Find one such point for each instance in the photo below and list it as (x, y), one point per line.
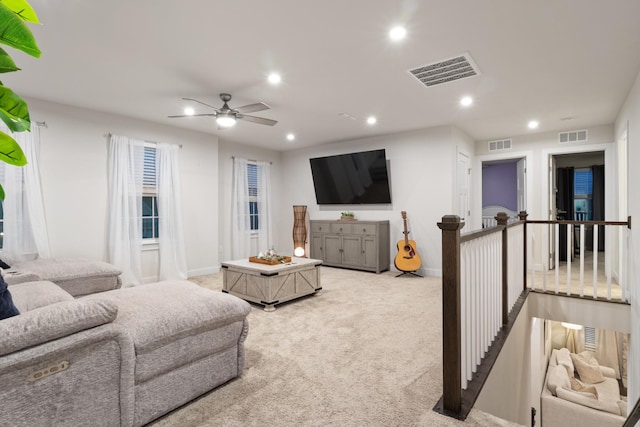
(125, 205)
(264, 205)
(242, 237)
(240, 227)
(25, 226)
(173, 264)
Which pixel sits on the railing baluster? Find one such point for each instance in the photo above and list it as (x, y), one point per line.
(596, 229)
(557, 256)
(569, 255)
(609, 263)
(581, 260)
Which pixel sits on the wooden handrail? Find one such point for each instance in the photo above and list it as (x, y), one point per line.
(634, 416)
(455, 401)
(451, 322)
(566, 221)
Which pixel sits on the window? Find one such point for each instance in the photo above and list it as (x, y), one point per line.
(252, 183)
(583, 192)
(149, 195)
(589, 338)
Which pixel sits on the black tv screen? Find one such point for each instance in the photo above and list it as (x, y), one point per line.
(355, 178)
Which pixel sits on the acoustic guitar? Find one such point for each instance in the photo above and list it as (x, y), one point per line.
(407, 258)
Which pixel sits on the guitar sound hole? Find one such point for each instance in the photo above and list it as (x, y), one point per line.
(407, 248)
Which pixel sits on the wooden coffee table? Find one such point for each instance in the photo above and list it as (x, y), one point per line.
(269, 285)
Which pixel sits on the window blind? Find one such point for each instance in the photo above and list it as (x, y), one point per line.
(583, 182)
(149, 167)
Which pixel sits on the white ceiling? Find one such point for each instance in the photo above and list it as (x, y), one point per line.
(545, 59)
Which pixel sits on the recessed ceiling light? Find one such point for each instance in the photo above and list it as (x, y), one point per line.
(372, 120)
(466, 101)
(533, 124)
(290, 137)
(274, 78)
(397, 33)
(189, 111)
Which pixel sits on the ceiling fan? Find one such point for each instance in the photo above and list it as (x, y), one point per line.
(227, 116)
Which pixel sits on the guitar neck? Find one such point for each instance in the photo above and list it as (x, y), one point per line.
(406, 233)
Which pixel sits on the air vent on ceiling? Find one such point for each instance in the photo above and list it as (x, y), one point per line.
(573, 136)
(499, 145)
(445, 71)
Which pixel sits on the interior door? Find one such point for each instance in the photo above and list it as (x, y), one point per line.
(553, 212)
(463, 170)
(521, 184)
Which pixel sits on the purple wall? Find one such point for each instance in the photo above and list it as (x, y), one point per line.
(499, 185)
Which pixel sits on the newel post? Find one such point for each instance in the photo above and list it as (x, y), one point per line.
(523, 217)
(502, 218)
(451, 327)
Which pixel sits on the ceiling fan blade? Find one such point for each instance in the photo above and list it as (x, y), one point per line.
(259, 120)
(252, 108)
(200, 102)
(194, 115)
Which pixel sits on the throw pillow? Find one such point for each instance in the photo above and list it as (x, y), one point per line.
(558, 378)
(7, 308)
(587, 367)
(4, 265)
(563, 357)
(578, 385)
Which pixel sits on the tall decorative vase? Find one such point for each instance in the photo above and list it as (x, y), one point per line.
(299, 230)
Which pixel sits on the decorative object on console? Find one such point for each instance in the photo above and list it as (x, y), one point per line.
(408, 261)
(270, 259)
(347, 216)
(299, 230)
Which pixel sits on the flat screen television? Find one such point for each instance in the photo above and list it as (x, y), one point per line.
(355, 178)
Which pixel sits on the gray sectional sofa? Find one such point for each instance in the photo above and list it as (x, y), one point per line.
(76, 276)
(118, 358)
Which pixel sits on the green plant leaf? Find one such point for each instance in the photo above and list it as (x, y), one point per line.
(1, 193)
(14, 110)
(15, 33)
(10, 151)
(22, 9)
(6, 63)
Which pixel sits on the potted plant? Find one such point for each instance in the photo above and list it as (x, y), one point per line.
(13, 109)
(348, 216)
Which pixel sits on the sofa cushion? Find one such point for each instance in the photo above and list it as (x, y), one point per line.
(174, 323)
(53, 321)
(76, 276)
(558, 378)
(577, 385)
(7, 307)
(563, 357)
(31, 295)
(587, 367)
(585, 400)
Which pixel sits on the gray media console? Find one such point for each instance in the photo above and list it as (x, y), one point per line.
(361, 245)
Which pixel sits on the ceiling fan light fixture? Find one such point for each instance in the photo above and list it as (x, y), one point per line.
(225, 120)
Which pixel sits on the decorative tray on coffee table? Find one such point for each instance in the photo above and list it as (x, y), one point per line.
(270, 260)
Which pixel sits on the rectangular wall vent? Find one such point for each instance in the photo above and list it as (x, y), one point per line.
(502, 144)
(573, 136)
(445, 71)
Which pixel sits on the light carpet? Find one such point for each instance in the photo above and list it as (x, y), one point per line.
(366, 351)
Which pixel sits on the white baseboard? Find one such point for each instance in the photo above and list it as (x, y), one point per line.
(203, 271)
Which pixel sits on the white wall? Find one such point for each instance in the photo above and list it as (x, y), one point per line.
(421, 172)
(280, 213)
(73, 159)
(629, 118)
